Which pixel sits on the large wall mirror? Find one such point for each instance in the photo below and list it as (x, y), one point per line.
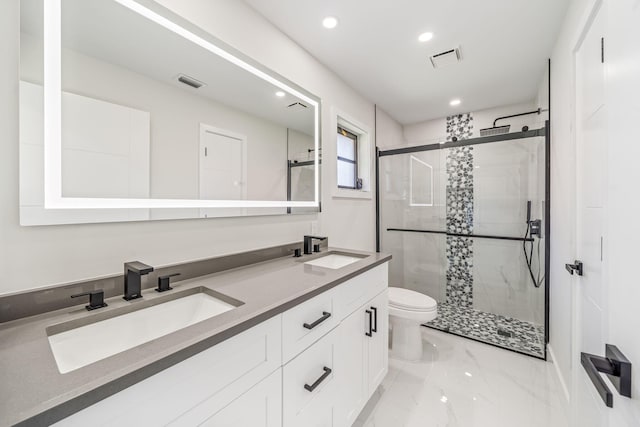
(128, 112)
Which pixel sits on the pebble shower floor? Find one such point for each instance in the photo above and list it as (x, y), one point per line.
(518, 335)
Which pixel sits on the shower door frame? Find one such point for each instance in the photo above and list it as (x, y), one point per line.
(544, 131)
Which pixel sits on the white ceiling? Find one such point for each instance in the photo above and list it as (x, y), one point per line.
(375, 48)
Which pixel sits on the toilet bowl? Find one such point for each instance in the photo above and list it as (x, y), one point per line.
(407, 311)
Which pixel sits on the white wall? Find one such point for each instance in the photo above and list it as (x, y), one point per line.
(433, 131)
(38, 256)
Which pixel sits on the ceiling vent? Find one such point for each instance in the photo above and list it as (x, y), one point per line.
(446, 58)
(190, 81)
(297, 106)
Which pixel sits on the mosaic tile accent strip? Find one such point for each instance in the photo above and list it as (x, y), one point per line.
(459, 216)
(506, 332)
(459, 126)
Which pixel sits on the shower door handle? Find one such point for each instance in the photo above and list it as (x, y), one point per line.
(576, 267)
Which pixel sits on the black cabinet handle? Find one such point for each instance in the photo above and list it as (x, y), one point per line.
(370, 313)
(615, 365)
(375, 319)
(327, 372)
(324, 317)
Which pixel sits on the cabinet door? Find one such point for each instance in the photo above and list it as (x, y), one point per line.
(261, 406)
(353, 351)
(310, 385)
(378, 363)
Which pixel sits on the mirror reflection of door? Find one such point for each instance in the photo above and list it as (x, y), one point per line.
(223, 176)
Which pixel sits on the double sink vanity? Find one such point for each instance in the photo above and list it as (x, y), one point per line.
(287, 341)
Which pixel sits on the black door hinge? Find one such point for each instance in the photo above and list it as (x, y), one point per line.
(602, 49)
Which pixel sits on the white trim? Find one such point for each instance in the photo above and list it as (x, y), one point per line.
(411, 159)
(563, 384)
(53, 121)
(365, 152)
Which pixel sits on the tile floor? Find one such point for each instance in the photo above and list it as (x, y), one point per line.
(525, 337)
(464, 383)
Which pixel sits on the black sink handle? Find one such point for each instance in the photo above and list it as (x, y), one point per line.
(310, 388)
(325, 316)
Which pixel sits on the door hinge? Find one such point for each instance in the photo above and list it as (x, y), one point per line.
(602, 50)
(205, 151)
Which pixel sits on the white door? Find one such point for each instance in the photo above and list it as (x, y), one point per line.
(590, 289)
(622, 59)
(222, 168)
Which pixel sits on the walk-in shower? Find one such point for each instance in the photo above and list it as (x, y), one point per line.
(466, 221)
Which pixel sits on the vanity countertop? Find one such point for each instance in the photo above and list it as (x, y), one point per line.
(33, 392)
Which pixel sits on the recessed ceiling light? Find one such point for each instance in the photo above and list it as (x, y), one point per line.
(425, 37)
(455, 102)
(280, 94)
(330, 22)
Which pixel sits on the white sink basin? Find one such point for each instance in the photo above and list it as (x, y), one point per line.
(333, 261)
(86, 344)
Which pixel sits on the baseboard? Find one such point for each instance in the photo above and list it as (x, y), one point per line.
(565, 389)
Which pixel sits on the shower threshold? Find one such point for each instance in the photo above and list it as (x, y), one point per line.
(506, 332)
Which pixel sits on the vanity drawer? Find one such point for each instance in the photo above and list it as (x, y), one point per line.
(306, 323)
(309, 385)
(189, 392)
(352, 294)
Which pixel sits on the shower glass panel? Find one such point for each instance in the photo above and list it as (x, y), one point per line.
(458, 222)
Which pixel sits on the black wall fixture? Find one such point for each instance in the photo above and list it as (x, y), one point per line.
(615, 365)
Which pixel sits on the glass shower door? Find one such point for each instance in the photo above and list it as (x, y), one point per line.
(457, 222)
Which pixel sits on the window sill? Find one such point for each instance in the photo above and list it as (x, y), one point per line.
(346, 193)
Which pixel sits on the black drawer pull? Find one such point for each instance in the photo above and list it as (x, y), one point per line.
(375, 319)
(327, 372)
(324, 317)
(369, 334)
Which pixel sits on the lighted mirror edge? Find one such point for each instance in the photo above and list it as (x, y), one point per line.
(96, 203)
(53, 198)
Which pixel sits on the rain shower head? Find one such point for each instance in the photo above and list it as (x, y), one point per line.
(495, 130)
(501, 130)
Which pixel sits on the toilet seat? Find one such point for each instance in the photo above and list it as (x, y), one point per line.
(406, 299)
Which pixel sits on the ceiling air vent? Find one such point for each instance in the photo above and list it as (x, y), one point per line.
(190, 81)
(446, 58)
(297, 106)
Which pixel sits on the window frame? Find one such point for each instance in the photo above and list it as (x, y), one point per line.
(352, 136)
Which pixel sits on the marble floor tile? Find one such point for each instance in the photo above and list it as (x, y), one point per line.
(463, 383)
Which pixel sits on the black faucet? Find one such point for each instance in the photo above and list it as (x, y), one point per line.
(308, 243)
(133, 272)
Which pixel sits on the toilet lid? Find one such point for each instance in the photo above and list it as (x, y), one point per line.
(411, 300)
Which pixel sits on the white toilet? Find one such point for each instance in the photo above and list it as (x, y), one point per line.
(407, 311)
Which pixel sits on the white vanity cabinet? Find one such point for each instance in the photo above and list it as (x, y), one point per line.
(356, 351)
(363, 357)
(314, 365)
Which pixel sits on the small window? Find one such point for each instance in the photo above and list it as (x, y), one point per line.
(348, 160)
